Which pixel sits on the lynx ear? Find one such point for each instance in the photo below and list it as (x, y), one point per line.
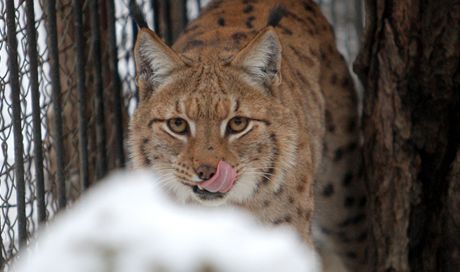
(154, 59)
(261, 58)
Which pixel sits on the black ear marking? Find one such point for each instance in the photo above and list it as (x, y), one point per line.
(276, 14)
(136, 13)
(328, 190)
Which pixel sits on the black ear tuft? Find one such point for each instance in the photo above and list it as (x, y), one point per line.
(137, 14)
(276, 14)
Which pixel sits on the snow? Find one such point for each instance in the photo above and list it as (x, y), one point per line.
(127, 223)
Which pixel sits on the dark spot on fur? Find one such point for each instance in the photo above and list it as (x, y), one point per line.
(328, 190)
(193, 44)
(313, 52)
(285, 219)
(210, 148)
(322, 55)
(351, 255)
(147, 161)
(248, 8)
(291, 199)
(329, 121)
(347, 179)
(349, 201)
(338, 154)
(354, 220)
(299, 211)
(260, 148)
(249, 21)
(312, 22)
(285, 30)
(196, 43)
(300, 188)
(238, 36)
(334, 79)
(221, 21)
(156, 157)
(266, 203)
(307, 6)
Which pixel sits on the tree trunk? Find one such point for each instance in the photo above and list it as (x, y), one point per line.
(173, 18)
(409, 66)
(68, 76)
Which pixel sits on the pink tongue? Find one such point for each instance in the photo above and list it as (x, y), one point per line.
(223, 179)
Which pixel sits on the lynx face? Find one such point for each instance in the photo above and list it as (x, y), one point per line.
(202, 121)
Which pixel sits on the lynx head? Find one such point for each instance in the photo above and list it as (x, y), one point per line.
(209, 125)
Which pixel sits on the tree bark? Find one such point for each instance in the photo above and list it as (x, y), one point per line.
(173, 19)
(409, 66)
(68, 76)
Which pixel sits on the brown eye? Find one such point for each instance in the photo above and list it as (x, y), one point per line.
(237, 124)
(178, 125)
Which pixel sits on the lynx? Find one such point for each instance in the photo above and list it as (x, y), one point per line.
(256, 113)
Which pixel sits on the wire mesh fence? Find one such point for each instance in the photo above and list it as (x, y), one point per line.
(67, 90)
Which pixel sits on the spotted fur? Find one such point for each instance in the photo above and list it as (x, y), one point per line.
(298, 160)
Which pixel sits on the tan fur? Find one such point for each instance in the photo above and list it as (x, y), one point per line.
(302, 108)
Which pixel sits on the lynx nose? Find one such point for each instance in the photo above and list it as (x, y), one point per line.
(205, 171)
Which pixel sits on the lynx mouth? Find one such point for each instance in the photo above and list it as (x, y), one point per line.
(207, 195)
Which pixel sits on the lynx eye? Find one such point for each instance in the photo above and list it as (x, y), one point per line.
(237, 124)
(178, 125)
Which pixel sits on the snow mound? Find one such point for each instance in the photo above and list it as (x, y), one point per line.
(126, 224)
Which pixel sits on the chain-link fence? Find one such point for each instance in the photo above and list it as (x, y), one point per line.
(67, 90)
